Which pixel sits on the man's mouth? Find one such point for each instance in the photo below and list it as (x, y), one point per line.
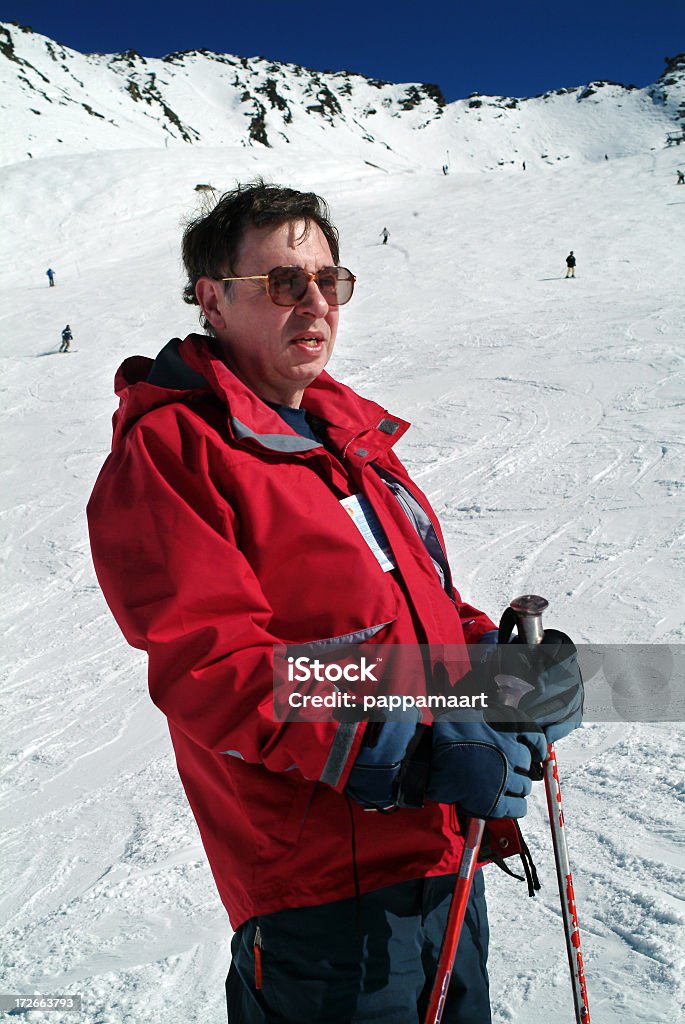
(308, 340)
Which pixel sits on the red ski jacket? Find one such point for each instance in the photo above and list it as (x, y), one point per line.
(217, 532)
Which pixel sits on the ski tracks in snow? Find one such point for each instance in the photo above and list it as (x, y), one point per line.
(619, 784)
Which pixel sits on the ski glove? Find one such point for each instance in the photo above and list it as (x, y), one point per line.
(554, 695)
(487, 769)
(372, 781)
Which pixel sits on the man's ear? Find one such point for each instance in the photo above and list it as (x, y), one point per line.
(209, 293)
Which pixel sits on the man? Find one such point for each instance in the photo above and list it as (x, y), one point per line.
(51, 276)
(570, 265)
(67, 338)
(220, 530)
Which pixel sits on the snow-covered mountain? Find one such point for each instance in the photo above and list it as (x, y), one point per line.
(61, 101)
(546, 430)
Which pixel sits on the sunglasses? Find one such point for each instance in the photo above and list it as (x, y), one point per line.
(286, 286)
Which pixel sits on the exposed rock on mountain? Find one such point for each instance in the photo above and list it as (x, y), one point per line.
(59, 100)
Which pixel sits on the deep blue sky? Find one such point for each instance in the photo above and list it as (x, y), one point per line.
(497, 47)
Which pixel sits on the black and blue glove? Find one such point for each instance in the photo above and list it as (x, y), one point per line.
(486, 768)
(485, 764)
(374, 776)
(554, 696)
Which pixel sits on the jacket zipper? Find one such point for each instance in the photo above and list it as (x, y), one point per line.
(257, 950)
(396, 489)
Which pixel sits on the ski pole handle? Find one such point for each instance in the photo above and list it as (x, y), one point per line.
(528, 610)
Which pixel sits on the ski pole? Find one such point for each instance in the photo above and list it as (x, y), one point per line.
(462, 890)
(528, 610)
(455, 920)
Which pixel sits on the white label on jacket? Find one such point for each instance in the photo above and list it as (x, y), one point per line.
(368, 524)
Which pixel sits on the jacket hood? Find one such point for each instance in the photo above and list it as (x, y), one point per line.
(185, 371)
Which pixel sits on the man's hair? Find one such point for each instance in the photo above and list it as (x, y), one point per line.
(211, 241)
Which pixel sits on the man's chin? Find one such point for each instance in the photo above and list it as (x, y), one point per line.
(310, 367)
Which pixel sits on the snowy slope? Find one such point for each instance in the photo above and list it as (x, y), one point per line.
(546, 432)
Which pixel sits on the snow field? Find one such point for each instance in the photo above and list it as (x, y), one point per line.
(547, 435)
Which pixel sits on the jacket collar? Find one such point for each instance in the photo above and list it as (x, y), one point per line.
(189, 369)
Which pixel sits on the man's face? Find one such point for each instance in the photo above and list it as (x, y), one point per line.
(276, 350)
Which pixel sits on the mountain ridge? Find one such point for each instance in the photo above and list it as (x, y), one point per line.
(199, 97)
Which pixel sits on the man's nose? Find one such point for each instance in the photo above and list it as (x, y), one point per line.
(313, 302)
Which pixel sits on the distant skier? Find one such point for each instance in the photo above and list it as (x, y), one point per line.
(570, 265)
(51, 276)
(524, 165)
(385, 235)
(681, 178)
(67, 336)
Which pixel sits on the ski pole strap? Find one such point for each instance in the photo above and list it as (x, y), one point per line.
(503, 838)
(528, 865)
(506, 625)
(412, 780)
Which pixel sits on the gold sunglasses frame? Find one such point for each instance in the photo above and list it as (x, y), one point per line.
(310, 277)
